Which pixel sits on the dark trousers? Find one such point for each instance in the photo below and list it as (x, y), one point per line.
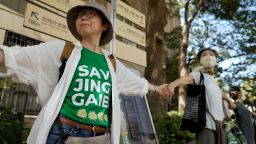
(206, 136)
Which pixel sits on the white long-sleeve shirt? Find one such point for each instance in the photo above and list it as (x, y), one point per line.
(38, 66)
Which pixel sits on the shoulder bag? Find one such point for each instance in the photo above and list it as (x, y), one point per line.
(194, 119)
(221, 134)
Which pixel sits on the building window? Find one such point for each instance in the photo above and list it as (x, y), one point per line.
(12, 39)
(19, 97)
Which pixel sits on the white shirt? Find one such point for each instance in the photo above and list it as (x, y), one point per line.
(213, 98)
(38, 66)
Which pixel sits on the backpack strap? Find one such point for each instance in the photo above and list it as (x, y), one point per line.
(69, 46)
(211, 115)
(113, 61)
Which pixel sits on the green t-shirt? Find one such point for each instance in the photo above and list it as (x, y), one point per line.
(88, 96)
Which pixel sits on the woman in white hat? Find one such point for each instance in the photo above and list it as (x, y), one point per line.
(85, 99)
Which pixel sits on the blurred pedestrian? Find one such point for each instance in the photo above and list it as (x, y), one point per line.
(243, 115)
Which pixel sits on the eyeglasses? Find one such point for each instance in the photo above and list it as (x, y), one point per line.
(88, 12)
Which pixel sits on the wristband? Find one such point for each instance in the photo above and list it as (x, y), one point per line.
(155, 89)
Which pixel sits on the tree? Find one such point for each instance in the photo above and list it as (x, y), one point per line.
(235, 39)
(155, 71)
(168, 129)
(191, 9)
(244, 51)
(249, 87)
(172, 36)
(222, 9)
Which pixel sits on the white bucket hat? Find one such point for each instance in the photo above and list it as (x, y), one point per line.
(106, 36)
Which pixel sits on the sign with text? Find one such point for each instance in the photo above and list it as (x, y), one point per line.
(140, 125)
(130, 33)
(131, 53)
(47, 22)
(63, 5)
(130, 13)
(130, 26)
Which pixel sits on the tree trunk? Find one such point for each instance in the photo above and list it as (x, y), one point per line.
(155, 71)
(183, 65)
(188, 19)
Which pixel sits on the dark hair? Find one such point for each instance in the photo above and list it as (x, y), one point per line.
(104, 19)
(235, 88)
(204, 49)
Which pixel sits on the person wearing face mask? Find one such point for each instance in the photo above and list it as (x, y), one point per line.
(243, 115)
(207, 60)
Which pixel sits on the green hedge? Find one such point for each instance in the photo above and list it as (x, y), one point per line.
(10, 128)
(168, 129)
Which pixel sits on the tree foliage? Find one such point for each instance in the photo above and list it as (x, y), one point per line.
(223, 9)
(189, 12)
(10, 128)
(168, 129)
(234, 38)
(244, 23)
(249, 87)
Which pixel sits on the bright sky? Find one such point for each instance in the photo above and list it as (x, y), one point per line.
(220, 27)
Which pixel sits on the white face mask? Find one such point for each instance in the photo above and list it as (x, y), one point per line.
(208, 61)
